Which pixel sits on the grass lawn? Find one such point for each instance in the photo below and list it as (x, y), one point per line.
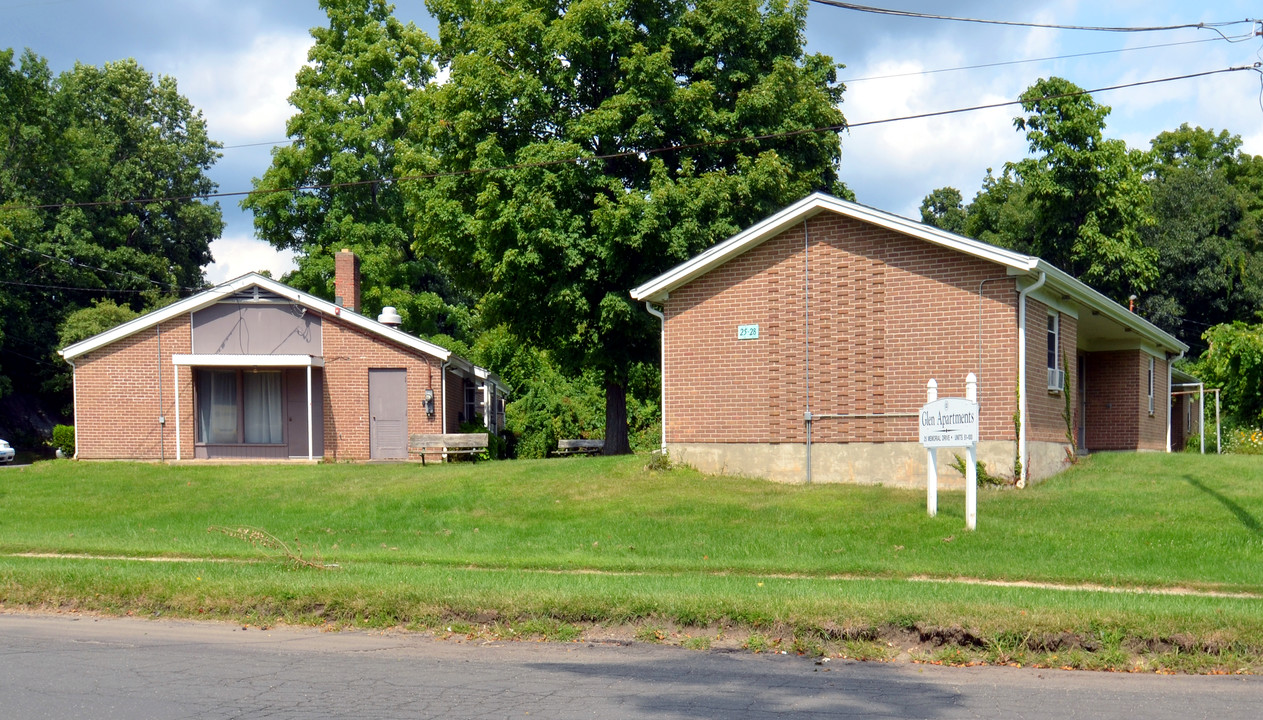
(551, 547)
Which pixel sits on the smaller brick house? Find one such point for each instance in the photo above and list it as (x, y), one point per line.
(800, 348)
(254, 369)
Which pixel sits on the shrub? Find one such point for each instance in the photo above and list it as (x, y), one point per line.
(64, 439)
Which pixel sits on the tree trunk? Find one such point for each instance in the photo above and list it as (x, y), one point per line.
(616, 419)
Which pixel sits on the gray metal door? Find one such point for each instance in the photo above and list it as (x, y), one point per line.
(388, 413)
(296, 413)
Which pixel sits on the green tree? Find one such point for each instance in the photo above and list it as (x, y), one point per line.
(1234, 362)
(1203, 234)
(653, 99)
(1078, 202)
(353, 101)
(1088, 191)
(78, 152)
(944, 208)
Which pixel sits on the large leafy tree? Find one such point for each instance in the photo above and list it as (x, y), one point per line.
(86, 160)
(1206, 233)
(579, 147)
(353, 100)
(1079, 201)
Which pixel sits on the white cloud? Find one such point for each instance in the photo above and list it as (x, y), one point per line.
(893, 165)
(245, 94)
(236, 256)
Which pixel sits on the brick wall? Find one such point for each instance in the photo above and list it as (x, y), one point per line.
(349, 354)
(117, 393)
(118, 398)
(1046, 410)
(1118, 401)
(887, 312)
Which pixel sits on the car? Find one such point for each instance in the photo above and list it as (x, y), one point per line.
(6, 452)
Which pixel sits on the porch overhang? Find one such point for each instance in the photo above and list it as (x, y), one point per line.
(248, 360)
(251, 361)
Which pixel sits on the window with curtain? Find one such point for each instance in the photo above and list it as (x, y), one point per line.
(235, 407)
(217, 406)
(262, 400)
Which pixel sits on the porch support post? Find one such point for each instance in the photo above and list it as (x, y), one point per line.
(310, 447)
(1201, 412)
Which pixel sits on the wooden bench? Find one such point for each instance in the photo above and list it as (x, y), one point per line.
(448, 444)
(580, 447)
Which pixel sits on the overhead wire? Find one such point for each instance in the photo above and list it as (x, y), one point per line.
(643, 154)
(77, 263)
(1035, 60)
(1214, 26)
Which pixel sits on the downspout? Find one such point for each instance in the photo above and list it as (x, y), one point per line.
(1022, 449)
(807, 340)
(74, 400)
(662, 345)
(162, 418)
(1170, 362)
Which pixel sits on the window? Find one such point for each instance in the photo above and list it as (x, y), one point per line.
(235, 407)
(1054, 345)
(1056, 376)
(217, 406)
(1151, 366)
(471, 402)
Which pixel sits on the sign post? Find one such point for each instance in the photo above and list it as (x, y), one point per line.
(952, 422)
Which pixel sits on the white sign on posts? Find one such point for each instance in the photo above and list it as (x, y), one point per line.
(951, 422)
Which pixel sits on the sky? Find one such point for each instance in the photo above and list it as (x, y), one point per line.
(235, 60)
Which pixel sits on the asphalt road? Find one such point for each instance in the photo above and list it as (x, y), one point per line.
(66, 667)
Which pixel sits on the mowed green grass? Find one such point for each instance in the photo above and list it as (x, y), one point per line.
(605, 540)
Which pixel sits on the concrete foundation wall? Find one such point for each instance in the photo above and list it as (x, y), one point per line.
(895, 464)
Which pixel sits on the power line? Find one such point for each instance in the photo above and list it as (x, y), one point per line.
(1092, 28)
(1005, 103)
(1042, 59)
(642, 154)
(259, 144)
(75, 263)
(67, 287)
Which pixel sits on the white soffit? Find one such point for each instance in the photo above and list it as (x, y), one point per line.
(248, 360)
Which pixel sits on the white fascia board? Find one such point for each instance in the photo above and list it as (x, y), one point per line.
(491, 378)
(219, 292)
(1094, 300)
(148, 320)
(656, 290)
(248, 360)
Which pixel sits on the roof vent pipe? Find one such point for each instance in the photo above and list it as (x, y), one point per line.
(390, 317)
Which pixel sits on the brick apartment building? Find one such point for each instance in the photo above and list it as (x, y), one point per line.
(256, 369)
(800, 349)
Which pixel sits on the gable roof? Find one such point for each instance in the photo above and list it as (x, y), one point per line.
(658, 289)
(245, 282)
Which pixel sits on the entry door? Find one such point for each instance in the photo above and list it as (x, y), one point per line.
(388, 413)
(296, 407)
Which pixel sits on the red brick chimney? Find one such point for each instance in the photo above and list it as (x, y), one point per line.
(346, 280)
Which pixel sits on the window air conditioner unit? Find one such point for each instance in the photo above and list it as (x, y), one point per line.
(1056, 380)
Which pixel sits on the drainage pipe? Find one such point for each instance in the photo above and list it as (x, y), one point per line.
(807, 416)
(662, 373)
(1170, 389)
(1022, 449)
(74, 400)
